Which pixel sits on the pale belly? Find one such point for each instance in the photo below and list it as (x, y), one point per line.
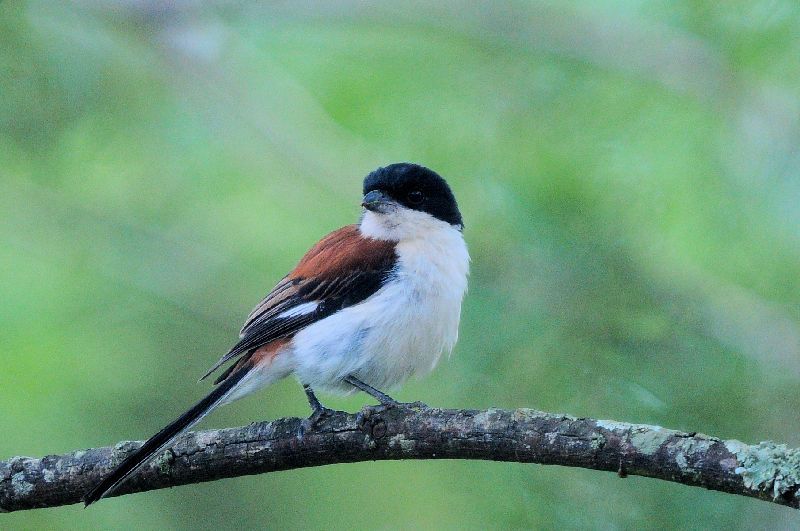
(399, 332)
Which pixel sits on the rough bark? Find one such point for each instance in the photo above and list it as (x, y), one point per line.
(766, 471)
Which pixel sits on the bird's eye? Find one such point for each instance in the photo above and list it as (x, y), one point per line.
(415, 197)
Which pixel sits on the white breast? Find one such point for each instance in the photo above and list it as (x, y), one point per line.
(399, 331)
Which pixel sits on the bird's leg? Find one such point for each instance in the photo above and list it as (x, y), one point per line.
(317, 411)
(383, 398)
(316, 406)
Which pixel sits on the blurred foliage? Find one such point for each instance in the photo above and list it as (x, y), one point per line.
(628, 174)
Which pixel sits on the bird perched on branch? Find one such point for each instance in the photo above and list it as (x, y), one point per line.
(367, 307)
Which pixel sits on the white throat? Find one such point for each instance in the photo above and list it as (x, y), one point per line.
(401, 224)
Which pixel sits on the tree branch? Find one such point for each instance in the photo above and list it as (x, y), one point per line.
(766, 471)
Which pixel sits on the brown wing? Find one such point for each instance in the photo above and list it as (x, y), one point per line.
(340, 270)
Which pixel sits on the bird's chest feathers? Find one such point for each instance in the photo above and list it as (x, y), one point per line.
(419, 309)
(432, 271)
(399, 331)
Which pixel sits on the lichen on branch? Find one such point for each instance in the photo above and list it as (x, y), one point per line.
(766, 471)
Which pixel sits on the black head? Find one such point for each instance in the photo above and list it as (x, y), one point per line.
(415, 187)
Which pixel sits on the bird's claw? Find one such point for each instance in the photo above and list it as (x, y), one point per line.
(317, 415)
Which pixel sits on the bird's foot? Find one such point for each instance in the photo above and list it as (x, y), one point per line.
(316, 416)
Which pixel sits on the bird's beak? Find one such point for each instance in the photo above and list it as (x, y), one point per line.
(376, 201)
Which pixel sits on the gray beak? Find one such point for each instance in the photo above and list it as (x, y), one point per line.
(376, 201)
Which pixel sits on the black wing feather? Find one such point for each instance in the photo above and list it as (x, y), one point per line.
(331, 295)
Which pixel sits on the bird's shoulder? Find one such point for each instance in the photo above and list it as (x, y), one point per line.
(343, 252)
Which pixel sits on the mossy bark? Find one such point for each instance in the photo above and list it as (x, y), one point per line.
(766, 471)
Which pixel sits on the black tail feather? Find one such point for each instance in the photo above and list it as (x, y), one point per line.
(161, 439)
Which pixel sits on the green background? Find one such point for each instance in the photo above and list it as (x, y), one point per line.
(628, 174)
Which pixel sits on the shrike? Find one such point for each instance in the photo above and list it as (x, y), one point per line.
(367, 307)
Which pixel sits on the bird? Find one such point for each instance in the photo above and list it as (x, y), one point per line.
(367, 307)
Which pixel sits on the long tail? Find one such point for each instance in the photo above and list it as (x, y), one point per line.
(161, 439)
